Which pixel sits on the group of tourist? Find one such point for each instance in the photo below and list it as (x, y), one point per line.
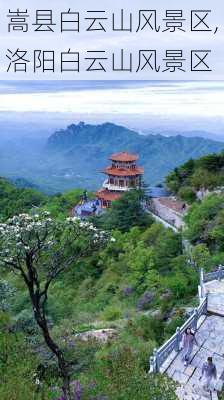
(209, 371)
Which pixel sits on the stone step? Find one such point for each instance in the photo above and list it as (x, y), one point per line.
(194, 392)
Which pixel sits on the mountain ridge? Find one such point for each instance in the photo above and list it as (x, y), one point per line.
(86, 148)
(72, 157)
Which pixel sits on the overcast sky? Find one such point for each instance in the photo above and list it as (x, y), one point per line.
(146, 106)
(188, 99)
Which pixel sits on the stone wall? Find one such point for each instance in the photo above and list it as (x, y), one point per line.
(168, 214)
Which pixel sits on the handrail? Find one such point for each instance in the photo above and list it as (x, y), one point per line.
(210, 276)
(173, 344)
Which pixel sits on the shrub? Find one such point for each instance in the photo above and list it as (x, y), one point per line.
(24, 321)
(187, 194)
(178, 285)
(120, 377)
(112, 313)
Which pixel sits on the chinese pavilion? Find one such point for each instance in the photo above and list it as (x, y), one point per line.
(122, 175)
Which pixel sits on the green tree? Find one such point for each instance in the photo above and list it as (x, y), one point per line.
(39, 249)
(204, 173)
(203, 179)
(204, 222)
(7, 293)
(14, 201)
(187, 194)
(127, 212)
(200, 255)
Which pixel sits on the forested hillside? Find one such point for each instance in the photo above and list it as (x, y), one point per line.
(82, 150)
(127, 280)
(204, 173)
(74, 156)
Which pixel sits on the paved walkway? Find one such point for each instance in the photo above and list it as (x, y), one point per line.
(210, 343)
(210, 337)
(162, 221)
(216, 297)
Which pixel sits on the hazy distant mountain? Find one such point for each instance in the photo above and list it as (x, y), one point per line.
(74, 157)
(82, 150)
(196, 133)
(23, 183)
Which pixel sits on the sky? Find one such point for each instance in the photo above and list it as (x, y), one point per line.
(148, 107)
(194, 102)
(188, 99)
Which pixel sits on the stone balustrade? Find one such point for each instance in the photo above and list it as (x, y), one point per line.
(163, 356)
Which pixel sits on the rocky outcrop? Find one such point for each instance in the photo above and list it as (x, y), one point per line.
(102, 335)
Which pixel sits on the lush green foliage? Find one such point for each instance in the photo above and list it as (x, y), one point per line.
(14, 201)
(125, 213)
(117, 278)
(204, 229)
(61, 204)
(18, 365)
(128, 281)
(119, 374)
(205, 222)
(82, 149)
(138, 286)
(204, 173)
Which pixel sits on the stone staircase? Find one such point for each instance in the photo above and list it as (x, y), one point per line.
(194, 392)
(210, 337)
(208, 321)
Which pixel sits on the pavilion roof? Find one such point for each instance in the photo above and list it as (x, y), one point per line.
(124, 171)
(105, 194)
(123, 156)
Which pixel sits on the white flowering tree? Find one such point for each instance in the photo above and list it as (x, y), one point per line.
(38, 249)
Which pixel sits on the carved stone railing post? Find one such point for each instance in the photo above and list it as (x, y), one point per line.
(155, 361)
(206, 302)
(202, 280)
(200, 296)
(220, 273)
(178, 339)
(195, 322)
(151, 365)
(201, 276)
